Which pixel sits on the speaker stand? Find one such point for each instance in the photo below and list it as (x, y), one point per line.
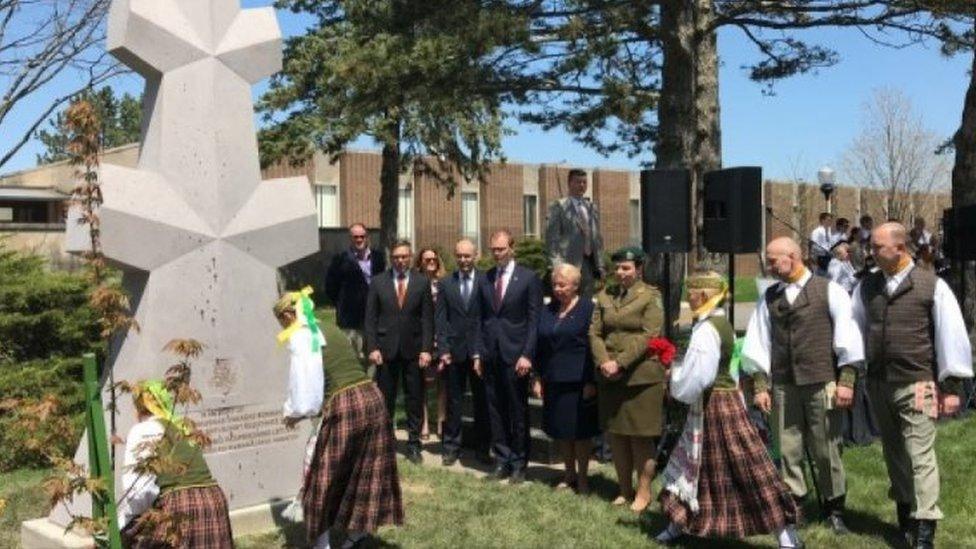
(668, 313)
(732, 290)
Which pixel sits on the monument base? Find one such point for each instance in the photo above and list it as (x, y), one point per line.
(44, 534)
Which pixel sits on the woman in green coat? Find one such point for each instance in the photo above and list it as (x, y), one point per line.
(630, 384)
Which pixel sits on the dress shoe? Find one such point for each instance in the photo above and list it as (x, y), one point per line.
(413, 456)
(836, 522)
(517, 477)
(906, 524)
(499, 473)
(835, 516)
(449, 459)
(925, 534)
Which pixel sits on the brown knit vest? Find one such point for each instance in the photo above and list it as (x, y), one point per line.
(802, 334)
(900, 336)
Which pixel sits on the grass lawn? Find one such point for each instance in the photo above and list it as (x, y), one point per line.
(25, 500)
(453, 510)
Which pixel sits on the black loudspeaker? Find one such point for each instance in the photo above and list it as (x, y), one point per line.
(959, 228)
(733, 210)
(666, 211)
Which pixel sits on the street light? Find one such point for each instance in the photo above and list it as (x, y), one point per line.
(826, 178)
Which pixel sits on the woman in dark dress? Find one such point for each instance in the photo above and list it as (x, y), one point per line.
(565, 366)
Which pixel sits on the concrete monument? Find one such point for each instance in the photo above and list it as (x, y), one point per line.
(200, 238)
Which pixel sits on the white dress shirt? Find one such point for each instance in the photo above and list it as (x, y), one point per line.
(306, 378)
(139, 490)
(506, 274)
(842, 272)
(953, 353)
(697, 369)
(821, 238)
(848, 344)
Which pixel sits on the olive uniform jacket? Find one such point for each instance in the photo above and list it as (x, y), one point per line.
(623, 322)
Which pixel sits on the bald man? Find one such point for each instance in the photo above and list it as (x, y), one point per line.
(918, 353)
(803, 337)
(459, 344)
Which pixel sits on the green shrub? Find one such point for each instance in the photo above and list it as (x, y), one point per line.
(31, 381)
(46, 325)
(42, 313)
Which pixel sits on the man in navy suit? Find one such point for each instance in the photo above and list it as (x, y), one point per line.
(511, 299)
(459, 344)
(347, 283)
(400, 337)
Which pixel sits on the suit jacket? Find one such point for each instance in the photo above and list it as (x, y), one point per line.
(564, 233)
(563, 354)
(399, 334)
(346, 287)
(458, 326)
(509, 332)
(620, 329)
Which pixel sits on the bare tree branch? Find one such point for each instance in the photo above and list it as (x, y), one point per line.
(41, 41)
(896, 153)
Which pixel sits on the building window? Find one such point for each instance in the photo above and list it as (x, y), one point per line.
(6, 214)
(405, 214)
(530, 215)
(327, 205)
(635, 222)
(470, 224)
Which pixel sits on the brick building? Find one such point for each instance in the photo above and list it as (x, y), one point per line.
(515, 196)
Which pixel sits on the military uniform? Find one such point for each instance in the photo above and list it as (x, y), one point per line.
(623, 321)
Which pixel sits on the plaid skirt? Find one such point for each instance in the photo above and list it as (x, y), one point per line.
(740, 492)
(199, 520)
(352, 483)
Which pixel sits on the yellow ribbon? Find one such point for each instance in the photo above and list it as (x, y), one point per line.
(159, 402)
(304, 307)
(797, 274)
(706, 308)
(903, 264)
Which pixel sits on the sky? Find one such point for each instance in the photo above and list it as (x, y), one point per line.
(808, 123)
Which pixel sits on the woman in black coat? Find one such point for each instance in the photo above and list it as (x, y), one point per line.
(565, 366)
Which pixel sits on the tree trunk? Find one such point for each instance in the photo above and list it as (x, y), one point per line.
(390, 186)
(688, 118)
(964, 189)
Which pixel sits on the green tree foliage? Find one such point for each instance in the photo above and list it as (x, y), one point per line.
(416, 75)
(45, 326)
(121, 124)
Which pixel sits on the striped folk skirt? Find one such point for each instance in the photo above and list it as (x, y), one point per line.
(352, 483)
(740, 492)
(191, 518)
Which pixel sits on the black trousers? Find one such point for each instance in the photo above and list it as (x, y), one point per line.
(388, 376)
(508, 411)
(458, 375)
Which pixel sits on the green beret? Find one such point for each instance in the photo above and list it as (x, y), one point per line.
(628, 253)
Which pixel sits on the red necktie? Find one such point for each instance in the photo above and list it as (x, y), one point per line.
(401, 289)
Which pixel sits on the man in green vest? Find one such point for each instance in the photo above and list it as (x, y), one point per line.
(918, 354)
(804, 339)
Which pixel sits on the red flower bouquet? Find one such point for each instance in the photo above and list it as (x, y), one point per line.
(661, 348)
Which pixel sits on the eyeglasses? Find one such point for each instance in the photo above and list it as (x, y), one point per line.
(359, 237)
(401, 256)
(429, 259)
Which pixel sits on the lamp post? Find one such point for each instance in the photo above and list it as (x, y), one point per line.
(826, 178)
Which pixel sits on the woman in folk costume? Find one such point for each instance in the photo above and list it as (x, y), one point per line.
(170, 499)
(351, 483)
(306, 379)
(720, 481)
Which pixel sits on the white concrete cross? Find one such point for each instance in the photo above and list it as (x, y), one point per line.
(200, 236)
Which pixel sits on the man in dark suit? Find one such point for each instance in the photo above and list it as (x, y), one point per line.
(347, 283)
(399, 332)
(511, 298)
(458, 322)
